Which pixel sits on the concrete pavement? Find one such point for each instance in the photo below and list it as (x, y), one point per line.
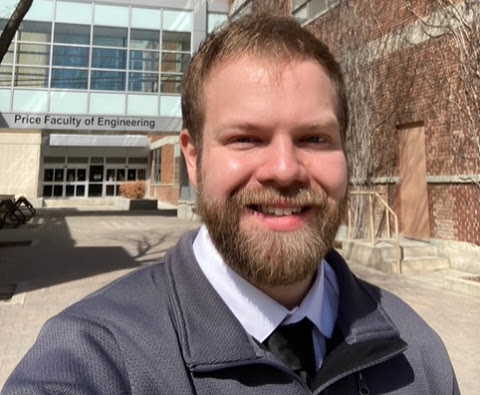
(74, 252)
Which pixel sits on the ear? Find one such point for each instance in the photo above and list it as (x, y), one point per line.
(190, 155)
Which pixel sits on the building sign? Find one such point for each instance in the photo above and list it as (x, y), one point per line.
(87, 122)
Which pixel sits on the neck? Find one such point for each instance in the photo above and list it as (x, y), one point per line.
(290, 296)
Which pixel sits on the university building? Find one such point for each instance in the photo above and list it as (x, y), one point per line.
(90, 95)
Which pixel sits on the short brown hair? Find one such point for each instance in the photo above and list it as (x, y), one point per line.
(265, 37)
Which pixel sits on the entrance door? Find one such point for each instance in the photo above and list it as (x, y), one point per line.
(95, 181)
(413, 187)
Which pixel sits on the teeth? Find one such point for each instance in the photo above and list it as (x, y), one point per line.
(279, 212)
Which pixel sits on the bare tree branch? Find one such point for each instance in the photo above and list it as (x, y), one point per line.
(12, 26)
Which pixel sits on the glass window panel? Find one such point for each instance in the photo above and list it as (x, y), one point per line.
(70, 12)
(57, 190)
(35, 54)
(70, 190)
(176, 41)
(107, 103)
(175, 62)
(143, 82)
(81, 174)
(141, 174)
(171, 83)
(72, 34)
(96, 159)
(8, 58)
(146, 105)
(5, 98)
(41, 10)
(31, 76)
(110, 190)
(110, 175)
(107, 80)
(111, 15)
(121, 175)
(95, 190)
(106, 58)
(177, 20)
(317, 7)
(109, 36)
(59, 174)
(6, 75)
(215, 20)
(69, 78)
(30, 100)
(35, 31)
(301, 14)
(69, 102)
(47, 190)
(170, 106)
(298, 3)
(70, 175)
(144, 60)
(144, 39)
(80, 190)
(96, 172)
(131, 174)
(3, 22)
(70, 56)
(146, 18)
(48, 175)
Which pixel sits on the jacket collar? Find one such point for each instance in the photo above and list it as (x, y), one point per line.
(211, 337)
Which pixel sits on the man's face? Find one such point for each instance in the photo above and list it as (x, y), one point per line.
(272, 177)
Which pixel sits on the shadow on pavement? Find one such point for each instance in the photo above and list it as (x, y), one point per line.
(53, 257)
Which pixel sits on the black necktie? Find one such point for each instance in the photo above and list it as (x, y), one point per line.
(293, 345)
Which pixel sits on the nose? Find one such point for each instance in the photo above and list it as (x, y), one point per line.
(282, 165)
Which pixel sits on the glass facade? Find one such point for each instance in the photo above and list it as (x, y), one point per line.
(83, 176)
(107, 48)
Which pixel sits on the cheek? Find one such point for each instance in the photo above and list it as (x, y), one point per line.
(223, 174)
(332, 175)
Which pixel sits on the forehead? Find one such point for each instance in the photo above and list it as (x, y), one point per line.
(258, 72)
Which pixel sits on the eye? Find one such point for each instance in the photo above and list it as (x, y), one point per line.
(315, 140)
(243, 141)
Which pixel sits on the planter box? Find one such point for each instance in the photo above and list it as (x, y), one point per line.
(143, 204)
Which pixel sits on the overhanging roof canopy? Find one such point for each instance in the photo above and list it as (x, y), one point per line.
(91, 140)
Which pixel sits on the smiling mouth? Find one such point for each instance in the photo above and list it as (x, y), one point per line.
(277, 211)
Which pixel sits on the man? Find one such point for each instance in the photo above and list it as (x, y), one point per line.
(256, 301)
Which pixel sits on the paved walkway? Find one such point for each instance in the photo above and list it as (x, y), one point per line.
(75, 252)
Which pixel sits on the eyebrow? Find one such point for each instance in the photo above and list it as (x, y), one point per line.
(326, 123)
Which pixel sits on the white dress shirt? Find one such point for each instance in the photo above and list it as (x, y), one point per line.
(258, 313)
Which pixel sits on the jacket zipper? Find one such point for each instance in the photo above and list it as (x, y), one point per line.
(362, 385)
(252, 362)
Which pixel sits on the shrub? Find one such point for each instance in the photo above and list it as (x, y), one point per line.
(133, 189)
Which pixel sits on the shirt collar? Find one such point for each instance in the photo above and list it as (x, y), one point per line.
(259, 314)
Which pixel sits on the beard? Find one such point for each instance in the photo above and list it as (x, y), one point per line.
(268, 258)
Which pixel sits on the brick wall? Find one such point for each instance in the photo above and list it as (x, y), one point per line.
(168, 188)
(409, 86)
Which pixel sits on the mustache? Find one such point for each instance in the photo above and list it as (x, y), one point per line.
(272, 196)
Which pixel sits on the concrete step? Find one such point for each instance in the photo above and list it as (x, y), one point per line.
(424, 264)
(416, 256)
(418, 250)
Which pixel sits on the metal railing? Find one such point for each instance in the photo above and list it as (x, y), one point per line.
(389, 212)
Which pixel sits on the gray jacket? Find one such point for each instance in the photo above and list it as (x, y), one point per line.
(164, 330)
